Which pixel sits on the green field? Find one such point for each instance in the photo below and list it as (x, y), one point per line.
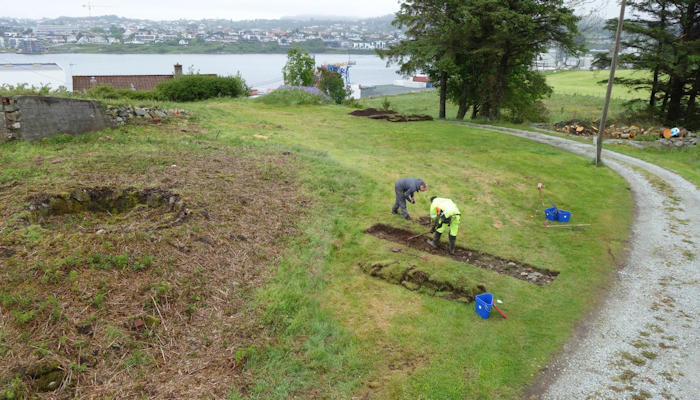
(302, 184)
(587, 83)
(576, 95)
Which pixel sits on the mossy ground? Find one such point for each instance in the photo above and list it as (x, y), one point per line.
(101, 281)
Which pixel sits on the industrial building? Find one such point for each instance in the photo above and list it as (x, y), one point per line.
(39, 74)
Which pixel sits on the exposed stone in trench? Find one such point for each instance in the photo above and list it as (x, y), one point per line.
(516, 269)
(412, 278)
(105, 200)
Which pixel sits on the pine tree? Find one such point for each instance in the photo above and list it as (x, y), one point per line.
(663, 37)
(477, 49)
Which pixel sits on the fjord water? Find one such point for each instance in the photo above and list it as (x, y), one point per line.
(260, 71)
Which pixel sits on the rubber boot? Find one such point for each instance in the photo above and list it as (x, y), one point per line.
(435, 240)
(453, 241)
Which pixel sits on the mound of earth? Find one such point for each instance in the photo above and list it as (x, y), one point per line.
(371, 111)
(390, 115)
(138, 282)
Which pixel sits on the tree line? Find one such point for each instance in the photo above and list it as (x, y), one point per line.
(479, 52)
(663, 38)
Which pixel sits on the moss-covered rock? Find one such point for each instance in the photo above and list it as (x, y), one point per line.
(49, 382)
(47, 375)
(151, 321)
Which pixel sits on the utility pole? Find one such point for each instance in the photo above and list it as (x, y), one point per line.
(613, 64)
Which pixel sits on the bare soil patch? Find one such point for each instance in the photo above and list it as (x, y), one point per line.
(516, 269)
(390, 115)
(371, 111)
(103, 296)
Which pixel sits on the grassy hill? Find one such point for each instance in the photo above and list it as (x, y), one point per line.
(262, 291)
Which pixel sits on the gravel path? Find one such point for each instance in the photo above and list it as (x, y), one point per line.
(643, 341)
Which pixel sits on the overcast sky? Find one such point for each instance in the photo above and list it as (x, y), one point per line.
(199, 9)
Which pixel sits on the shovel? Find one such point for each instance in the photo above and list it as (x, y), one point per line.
(415, 236)
(499, 310)
(397, 250)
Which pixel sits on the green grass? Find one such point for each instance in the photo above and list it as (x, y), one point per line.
(565, 107)
(352, 327)
(577, 95)
(580, 95)
(340, 333)
(586, 83)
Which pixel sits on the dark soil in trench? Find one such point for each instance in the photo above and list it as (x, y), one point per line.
(516, 269)
(390, 115)
(371, 111)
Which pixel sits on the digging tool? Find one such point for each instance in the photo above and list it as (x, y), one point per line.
(566, 226)
(398, 250)
(418, 235)
(499, 310)
(539, 189)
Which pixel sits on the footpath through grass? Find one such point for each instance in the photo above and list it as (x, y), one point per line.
(344, 333)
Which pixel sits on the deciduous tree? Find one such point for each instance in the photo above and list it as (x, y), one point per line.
(299, 69)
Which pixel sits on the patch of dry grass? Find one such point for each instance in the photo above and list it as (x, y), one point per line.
(141, 310)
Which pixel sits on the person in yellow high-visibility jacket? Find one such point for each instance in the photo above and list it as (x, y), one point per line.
(443, 214)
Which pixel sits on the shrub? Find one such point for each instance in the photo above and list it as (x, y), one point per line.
(201, 87)
(354, 103)
(331, 83)
(299, 69)
(291, 96)
(108, 92)
(24, 89)
(386, 104)
(532, 112)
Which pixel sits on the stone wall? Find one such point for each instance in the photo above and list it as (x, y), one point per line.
(37, 117)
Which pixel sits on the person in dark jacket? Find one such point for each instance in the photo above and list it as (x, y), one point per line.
(405, 188)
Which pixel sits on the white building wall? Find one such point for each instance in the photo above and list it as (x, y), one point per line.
(33, 77)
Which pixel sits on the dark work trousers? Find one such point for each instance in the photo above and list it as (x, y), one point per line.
(400, 203)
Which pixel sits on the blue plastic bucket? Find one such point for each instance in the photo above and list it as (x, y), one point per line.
(563, 216)
(483, 305)
(551, 213)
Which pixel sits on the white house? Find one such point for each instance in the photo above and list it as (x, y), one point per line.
(45, 74)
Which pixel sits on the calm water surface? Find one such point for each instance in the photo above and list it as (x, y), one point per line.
(259, 70)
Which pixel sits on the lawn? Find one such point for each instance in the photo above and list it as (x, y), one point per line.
(405, 344)
(577, 95)
(302, 183)
(587, 83)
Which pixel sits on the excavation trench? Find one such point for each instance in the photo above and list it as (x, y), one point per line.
(516, 269)
(412, 278)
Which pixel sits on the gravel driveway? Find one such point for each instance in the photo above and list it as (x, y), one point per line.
(643, 340)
